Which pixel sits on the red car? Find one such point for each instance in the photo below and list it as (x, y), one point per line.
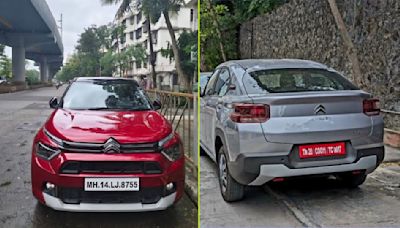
(106, 148)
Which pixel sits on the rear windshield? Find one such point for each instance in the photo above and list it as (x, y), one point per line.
(105, 94)
(296, 80)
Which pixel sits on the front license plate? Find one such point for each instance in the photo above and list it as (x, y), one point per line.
(322, 150)
(112, 184)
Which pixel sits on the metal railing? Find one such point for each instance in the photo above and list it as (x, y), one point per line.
(391, 119)
(180, 110)
(390, 112)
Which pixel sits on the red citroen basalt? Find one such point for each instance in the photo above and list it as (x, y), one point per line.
(105, 148)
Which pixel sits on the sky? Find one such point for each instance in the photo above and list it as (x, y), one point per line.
(77, 15)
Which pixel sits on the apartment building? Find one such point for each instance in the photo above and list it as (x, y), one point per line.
(136, 33)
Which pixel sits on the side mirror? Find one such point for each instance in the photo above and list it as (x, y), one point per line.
(53, 103)
(156, 105)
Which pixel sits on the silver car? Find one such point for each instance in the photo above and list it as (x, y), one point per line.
(269, 120)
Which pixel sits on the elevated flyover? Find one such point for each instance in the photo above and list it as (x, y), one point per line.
(29, 28)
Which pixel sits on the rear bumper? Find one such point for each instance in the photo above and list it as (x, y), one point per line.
(57, 204)
(269, 172)
(257, 170)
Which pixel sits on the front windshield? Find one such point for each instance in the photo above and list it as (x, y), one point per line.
(105, 94)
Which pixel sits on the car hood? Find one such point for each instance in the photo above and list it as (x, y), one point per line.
(99, 126)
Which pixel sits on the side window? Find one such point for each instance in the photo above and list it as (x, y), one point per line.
(233, 81)
(209, 90)
(222, 83)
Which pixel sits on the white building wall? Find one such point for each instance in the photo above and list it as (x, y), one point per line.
(165, 68)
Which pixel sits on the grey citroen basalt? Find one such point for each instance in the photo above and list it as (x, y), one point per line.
(264, 120)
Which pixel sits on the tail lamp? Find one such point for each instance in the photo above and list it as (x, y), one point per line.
(371, 107)
(250, 113)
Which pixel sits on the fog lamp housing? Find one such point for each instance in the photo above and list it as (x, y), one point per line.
(50, 188)
(170, 188)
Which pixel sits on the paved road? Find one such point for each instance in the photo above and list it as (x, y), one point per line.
(21, 114)
(313, 203)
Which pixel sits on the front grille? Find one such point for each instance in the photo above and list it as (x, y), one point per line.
(83, 147)
(99, 147)
(78, 195)
(108, 167)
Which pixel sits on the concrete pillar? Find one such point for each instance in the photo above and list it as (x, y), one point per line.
(18, 61)
(44, 70)
(52, 73)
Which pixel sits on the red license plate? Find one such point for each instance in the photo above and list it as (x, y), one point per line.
(322, 150)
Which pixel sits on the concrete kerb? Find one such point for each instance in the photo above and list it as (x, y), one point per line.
(191, 185)
(11, 88)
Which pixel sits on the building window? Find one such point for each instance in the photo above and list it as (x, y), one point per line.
(138, 64)
(138, 17)
(145, 27)
(124, 22)
(191, 15)
(145, 63)
(145, 44)
(154, 36)
(138, 33)
(131, 35)
(132, 20)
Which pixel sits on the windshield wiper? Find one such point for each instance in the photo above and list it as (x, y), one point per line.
(98, 108)
(123, 109)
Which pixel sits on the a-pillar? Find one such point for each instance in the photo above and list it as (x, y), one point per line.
(18, 60)
(44, 70)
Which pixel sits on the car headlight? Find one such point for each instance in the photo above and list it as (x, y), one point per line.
(173, 152)
(163, 141)
(46, 152)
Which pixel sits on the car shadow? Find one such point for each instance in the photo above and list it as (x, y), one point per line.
(44, 217)
(312, 186)
(301, 187)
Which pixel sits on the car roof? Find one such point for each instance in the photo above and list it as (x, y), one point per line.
(265, 64)
(89, 79)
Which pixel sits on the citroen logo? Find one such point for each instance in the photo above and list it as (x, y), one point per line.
(111, 146)
(319, 110)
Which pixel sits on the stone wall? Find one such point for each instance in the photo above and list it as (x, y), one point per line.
(306, 29)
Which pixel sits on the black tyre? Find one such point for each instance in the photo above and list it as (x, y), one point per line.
(231, 190)
(353, 180)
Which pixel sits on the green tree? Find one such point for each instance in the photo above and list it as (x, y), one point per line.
(32, 77)
(93, 55)
(187, 45)
(154, 9)
(5, 63)
(133, 53)
(107, 63)
(220, 24)
(118, 33)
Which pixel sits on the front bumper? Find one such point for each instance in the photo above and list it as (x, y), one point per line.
(57, 204)
(70, 196)
(256, 170)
